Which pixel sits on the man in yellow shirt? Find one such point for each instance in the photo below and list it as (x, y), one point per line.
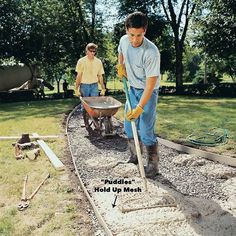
(89, 73)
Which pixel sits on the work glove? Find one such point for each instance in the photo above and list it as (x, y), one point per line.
(134, 113)
(121, 71)
(102, 93)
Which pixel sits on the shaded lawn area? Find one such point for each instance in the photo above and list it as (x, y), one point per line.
(45, 118)
(34, 116)
(180, 116)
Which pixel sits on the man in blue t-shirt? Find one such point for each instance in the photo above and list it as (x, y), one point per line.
(139, 62)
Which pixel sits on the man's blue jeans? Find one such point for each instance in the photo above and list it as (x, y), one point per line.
(89, 90)
(146, 122)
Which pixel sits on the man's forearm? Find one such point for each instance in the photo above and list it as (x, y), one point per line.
(101, 82)
(77, 81)
(120, 58)
(147, 93)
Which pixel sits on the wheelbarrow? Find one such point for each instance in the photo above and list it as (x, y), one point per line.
(99, 112)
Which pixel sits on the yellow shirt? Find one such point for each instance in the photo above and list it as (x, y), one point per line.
(90, 69)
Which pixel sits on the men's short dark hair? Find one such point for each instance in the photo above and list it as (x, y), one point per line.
(136, 20)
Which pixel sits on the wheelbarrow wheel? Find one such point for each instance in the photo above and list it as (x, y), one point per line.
(108, 125)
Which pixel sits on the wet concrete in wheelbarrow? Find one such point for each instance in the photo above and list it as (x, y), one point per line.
(193, 196)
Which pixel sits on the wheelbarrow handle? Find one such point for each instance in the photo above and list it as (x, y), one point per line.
(89, 110)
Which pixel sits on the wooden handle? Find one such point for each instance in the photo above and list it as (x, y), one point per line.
(23, 197)
(135, 134)
(37, 189)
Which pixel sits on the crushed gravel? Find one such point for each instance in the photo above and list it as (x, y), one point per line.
(187, 175)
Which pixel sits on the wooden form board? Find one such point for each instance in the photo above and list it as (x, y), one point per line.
(31, 137)
(209, 155)
(58, 165)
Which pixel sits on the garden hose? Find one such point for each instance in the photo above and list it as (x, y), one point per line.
(211, 137)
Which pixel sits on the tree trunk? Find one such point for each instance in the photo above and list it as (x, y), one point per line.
(179, 32)
(179, 66)
(205, 71)
(93, 18)
(82, 22)
(58, 86)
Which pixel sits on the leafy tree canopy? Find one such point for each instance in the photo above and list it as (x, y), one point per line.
(217, 29)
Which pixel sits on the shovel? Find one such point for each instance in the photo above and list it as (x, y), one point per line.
(135, 134)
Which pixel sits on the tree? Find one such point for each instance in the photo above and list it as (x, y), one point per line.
(15, 31)
(94, 10)
(191, 62)
(51, 32)
(215, 33)
(179, 24)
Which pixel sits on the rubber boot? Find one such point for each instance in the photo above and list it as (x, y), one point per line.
(151, 170)
(133, 155)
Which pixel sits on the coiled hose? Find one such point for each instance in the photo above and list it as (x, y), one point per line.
(211, 137)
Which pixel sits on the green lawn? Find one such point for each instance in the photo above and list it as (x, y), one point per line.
(115, 84)
(180, 116)
(41, 116)
(55, 202)
(177, 117)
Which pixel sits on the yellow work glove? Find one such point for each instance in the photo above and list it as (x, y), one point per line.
(102, 93)
(134, 114)
(121, 71)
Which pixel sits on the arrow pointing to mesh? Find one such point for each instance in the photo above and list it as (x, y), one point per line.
(114, 204)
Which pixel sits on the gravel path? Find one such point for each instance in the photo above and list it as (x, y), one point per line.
(203, 191)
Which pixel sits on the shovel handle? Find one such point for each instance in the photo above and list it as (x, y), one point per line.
(135, 134)
(39, 186)
(23, 197)
(126, 92)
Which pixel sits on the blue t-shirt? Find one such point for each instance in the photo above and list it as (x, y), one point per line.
(141, 62)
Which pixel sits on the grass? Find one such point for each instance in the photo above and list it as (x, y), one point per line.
(6, 226)
(115, 84)
(55, 202)
(180, 116)
(29, 116)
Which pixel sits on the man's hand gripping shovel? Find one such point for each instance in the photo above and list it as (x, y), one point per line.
(135, 134)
